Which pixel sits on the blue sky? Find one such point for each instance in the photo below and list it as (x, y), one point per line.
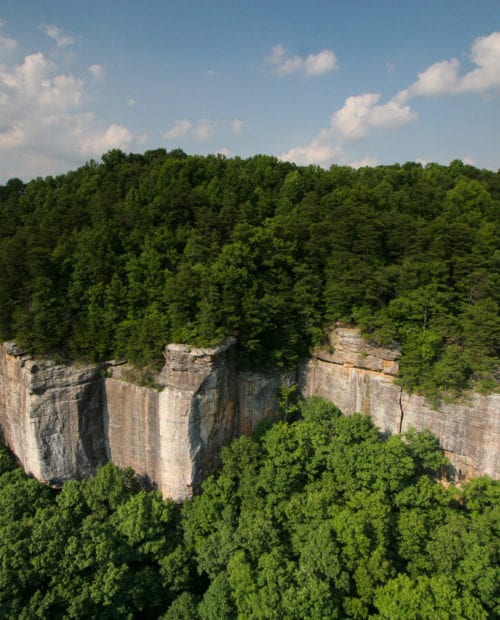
(316, 82)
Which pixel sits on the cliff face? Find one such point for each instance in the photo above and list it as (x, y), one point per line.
(62, 421)
(171, 437)
(359, 377)
(51, 415)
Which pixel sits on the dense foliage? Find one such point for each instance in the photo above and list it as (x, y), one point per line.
(121, 257)
(319, 518)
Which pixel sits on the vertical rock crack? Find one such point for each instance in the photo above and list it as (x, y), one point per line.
(401, 411)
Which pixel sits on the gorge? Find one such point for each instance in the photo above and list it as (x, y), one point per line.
(63, 421)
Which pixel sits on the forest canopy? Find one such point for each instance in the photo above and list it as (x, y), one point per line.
(118, 258)
(316, 519)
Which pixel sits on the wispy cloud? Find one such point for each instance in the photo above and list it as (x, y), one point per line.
(313, 64)
(203, 129)
(62, 39)
(363, 163)
(97, 72)
(237, 125)
(7, 43)
(180, 128)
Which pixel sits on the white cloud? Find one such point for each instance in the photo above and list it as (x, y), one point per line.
(277, 55)
(33, 85)
(318, 151)
(359, 115)
(44, 126)
(97, 72)
(62, 40)
(181, 128)
(365, 162)
(131, 103)
(202, 130)
(362, 113)
(470, 161)
(443, 78)
(224, 151)
(486, 55)
(115, 136)
(314, 64)
(290, 65)
(237, 125)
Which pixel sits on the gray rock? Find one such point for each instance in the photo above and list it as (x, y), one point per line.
(64, 421)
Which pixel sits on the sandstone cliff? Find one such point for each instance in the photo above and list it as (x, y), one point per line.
(51, 415)
(357, 376)
(64, 421)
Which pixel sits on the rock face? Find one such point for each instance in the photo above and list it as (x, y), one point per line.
(63, 422)
(171, 437)
(359, 377)
(51, 415)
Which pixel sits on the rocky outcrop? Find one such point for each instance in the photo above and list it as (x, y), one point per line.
(172, 436)
(51, 415)
(63, 421)
(357, 376)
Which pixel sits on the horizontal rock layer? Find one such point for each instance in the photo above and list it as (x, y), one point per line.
(64, 421)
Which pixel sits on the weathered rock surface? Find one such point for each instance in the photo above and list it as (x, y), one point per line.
(51, 415)
(359, 377)
(173, 437)
(62, 421)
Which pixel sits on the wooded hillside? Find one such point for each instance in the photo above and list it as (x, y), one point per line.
(118, 258)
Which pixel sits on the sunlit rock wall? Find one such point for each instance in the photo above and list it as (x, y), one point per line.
(51, 415)
(63, 421)
(357, 376)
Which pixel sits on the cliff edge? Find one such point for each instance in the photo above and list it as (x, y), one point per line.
(358, 376)
(64, 421)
